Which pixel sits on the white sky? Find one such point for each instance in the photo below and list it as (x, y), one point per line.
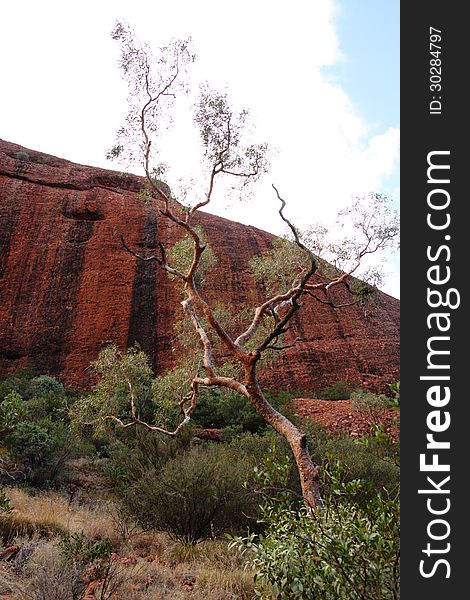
(62, 93)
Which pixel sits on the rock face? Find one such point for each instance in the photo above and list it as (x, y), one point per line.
(67, 287)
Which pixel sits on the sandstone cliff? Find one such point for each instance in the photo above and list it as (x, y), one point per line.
(67, 287)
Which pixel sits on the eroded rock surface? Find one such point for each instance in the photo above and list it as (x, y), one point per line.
(67, 287)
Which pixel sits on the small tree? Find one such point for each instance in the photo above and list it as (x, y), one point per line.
(228, 360)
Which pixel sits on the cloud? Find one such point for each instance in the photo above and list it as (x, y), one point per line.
(65, 96)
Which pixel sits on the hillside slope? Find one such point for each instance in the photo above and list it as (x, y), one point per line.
(67, 287)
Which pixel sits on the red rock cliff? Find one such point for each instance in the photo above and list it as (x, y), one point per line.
(67, 287)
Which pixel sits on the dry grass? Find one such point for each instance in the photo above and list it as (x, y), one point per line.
(50, 512)
(207, 575)
(148, 566)
(157, 581)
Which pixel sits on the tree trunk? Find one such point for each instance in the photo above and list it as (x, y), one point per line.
(308, 471)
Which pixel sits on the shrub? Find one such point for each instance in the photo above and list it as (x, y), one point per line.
(346, 551)
(369, 402)
(338, 391)
(43, 395)
(196, 495)
(19, 382)
(23, 156)
(377, 470)
(48, 405)
(31, 445)
(138, 451)
(44, 384)
(12, 410)
(41, 449)
(76, 547)
(220, 409)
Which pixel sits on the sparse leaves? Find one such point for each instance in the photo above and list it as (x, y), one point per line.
(168, 390)
(181, 257)
(221, 130)
(287, 272)
(371, 225)
(368, 226)
(223, 135)
(151, 91)
(123, 376)
(280, 268)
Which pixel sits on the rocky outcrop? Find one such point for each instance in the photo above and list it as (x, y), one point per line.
(67, 287)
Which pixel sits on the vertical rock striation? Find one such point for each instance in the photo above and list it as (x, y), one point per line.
(67, 287)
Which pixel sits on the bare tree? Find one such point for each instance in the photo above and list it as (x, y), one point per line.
(226, 155)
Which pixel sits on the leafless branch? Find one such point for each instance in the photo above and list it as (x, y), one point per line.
(139, 256)
(299, 289)
(286, 347)
(208, 364)
(330, 302)
(162, 261)
(146, 425)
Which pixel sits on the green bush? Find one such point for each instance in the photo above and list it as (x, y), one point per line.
(19, 382)
(49, 405)
(41, 449)
(44, 384)
(43, 395)
(219, 409)
(338, 391)
(76, 547)
(137, 451)
(346, 551)
(378, 470)
(369, 402)
(12, 410)
(196, 495)
(31, 445)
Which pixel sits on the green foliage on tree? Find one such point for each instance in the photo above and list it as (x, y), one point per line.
(365, 228)
(279, 267)
(19, 382)
(44, 384)
(122, 375)
(229, 354)
(181, 257)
